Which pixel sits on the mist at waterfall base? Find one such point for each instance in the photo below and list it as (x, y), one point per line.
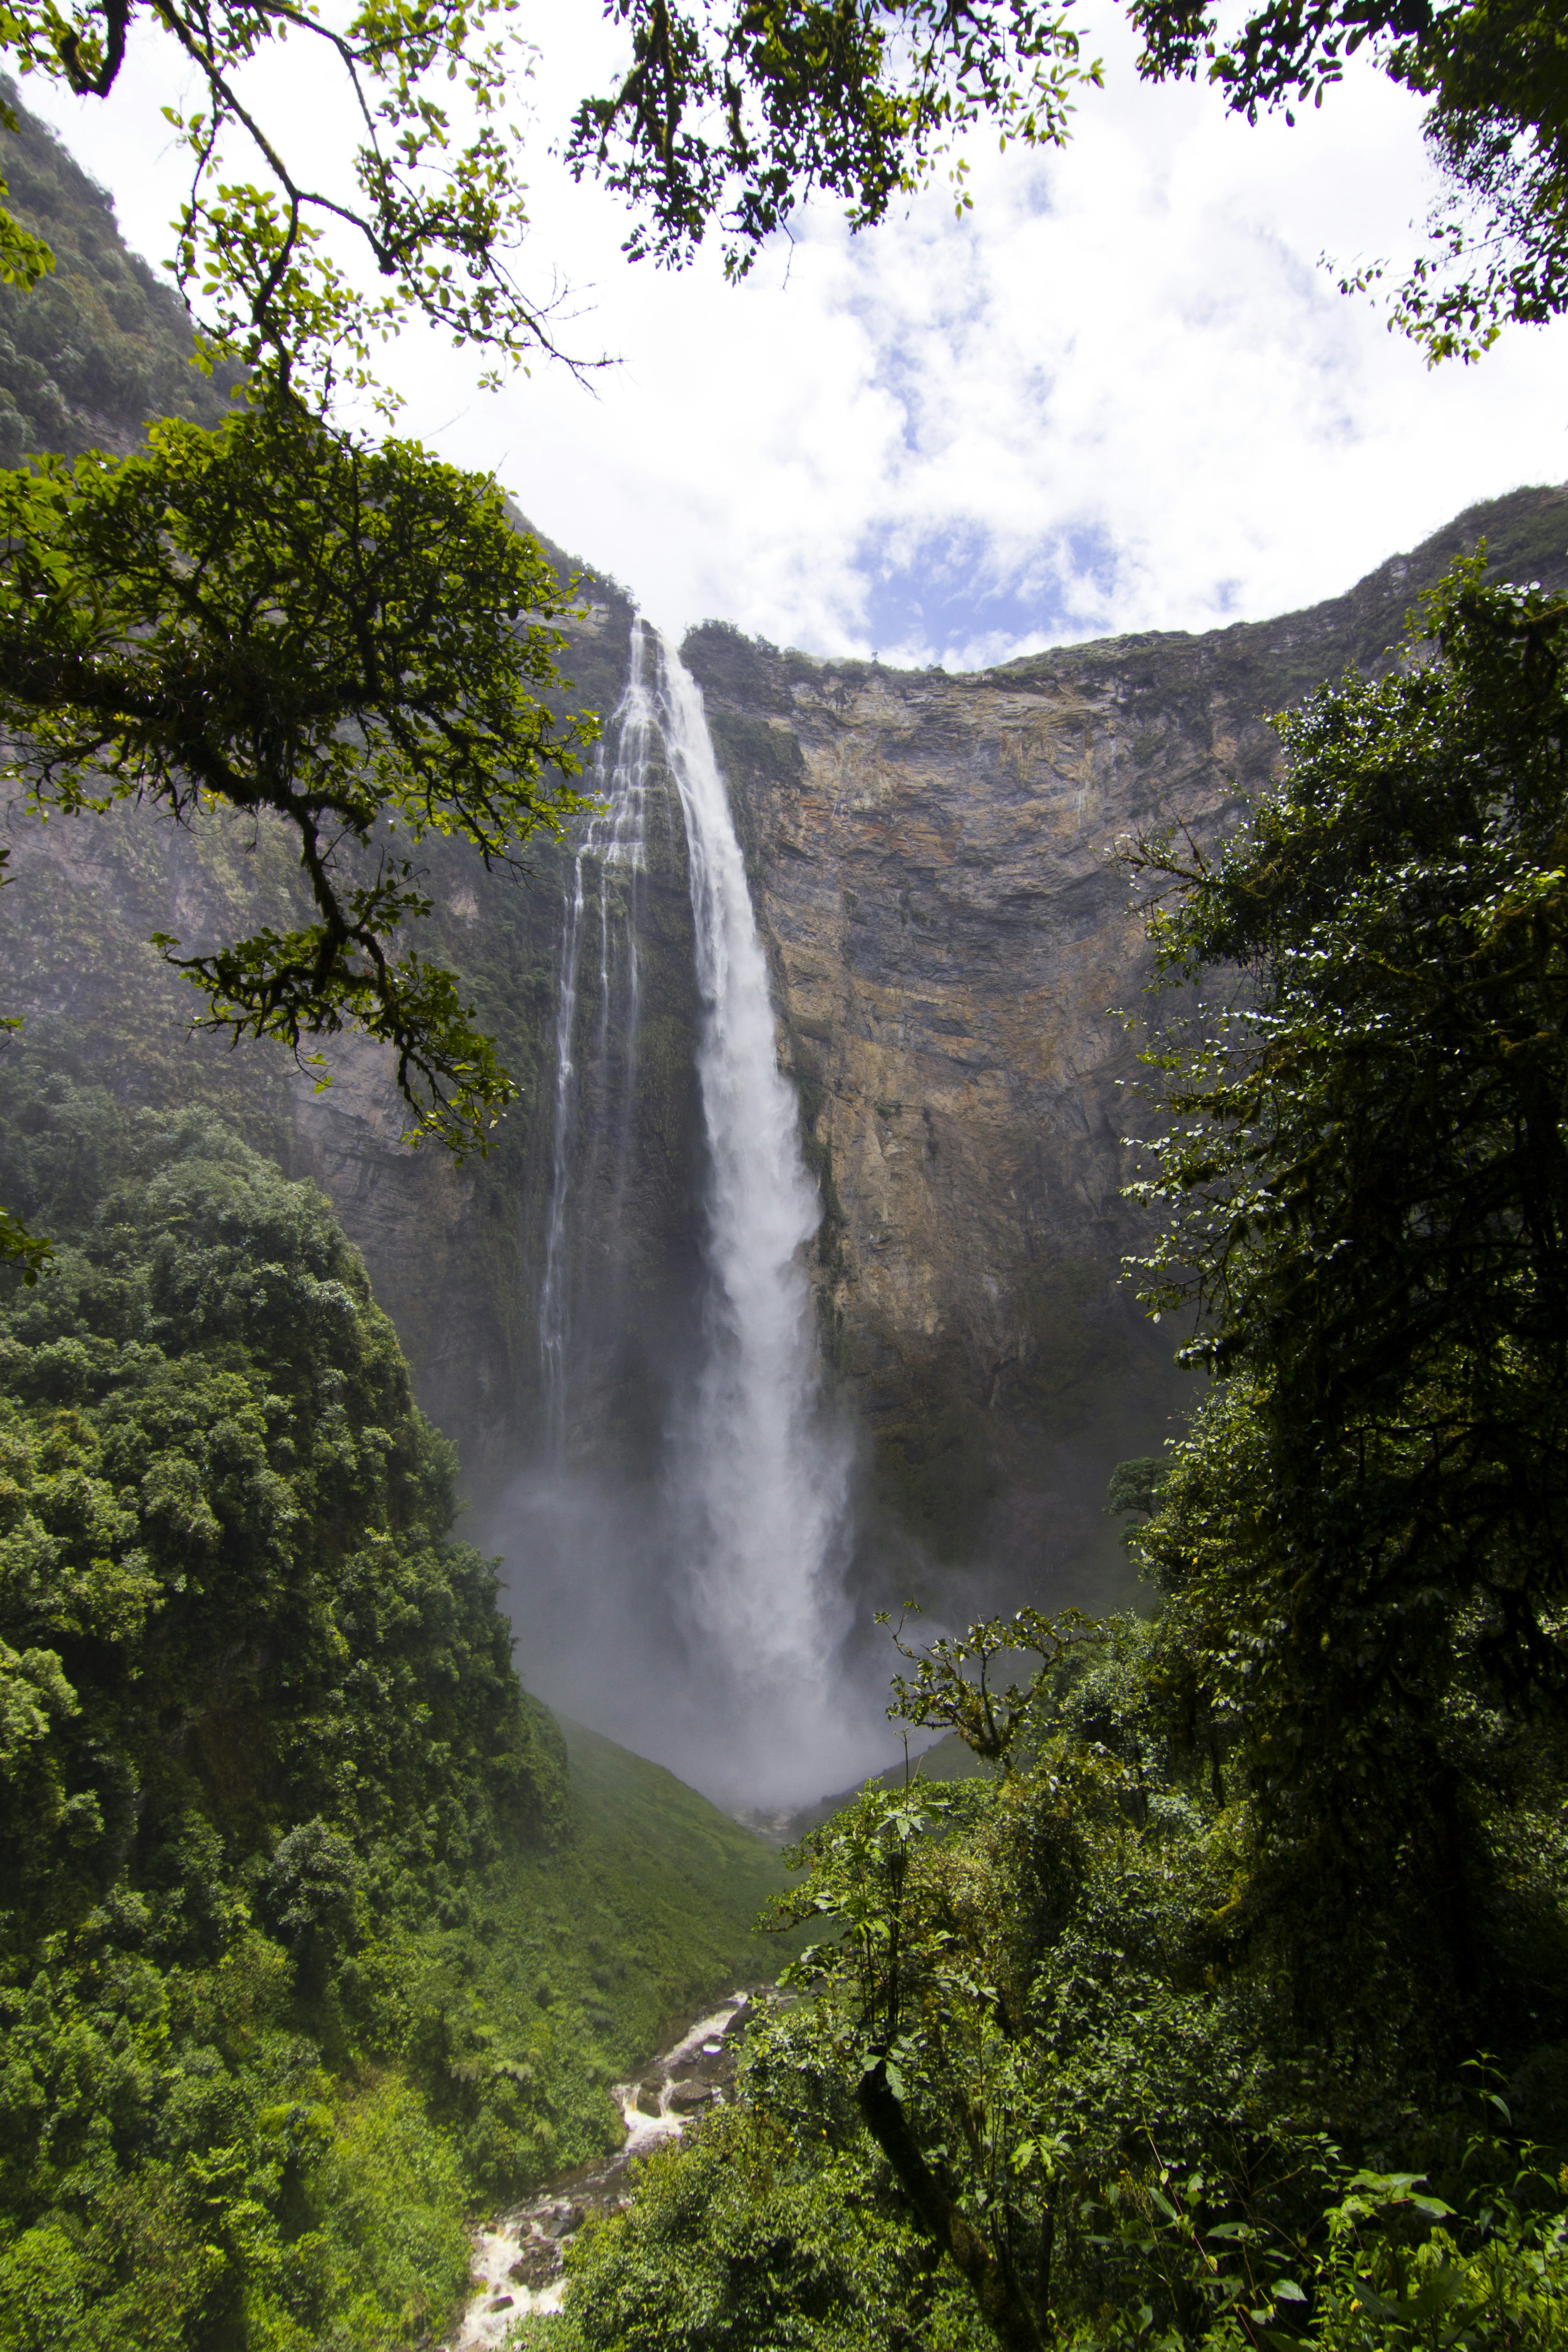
(683, 1587)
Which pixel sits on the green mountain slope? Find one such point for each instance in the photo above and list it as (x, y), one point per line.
(99, 345)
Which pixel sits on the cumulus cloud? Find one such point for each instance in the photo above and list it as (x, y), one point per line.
(1120, 393)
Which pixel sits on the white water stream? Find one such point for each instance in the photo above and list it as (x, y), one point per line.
(613, 847)
(517, 2261)
(698, 1616)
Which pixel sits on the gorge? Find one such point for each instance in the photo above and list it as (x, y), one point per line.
(892, 898)
(946, 943)
(434, 1589)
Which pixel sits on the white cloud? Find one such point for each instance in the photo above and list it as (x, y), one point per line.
(1119, 395)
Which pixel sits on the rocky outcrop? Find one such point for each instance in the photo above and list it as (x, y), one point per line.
(455, 1252)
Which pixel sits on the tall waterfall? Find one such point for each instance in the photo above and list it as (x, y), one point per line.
(613, 847)
(765, 1480)
(680, 1544)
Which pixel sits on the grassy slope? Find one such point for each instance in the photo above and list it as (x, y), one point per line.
(584, 1956)
(646, 1914)
(673, 1860)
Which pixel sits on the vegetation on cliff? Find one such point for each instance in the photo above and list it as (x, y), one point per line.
(100, 344)
(258, 611)
(309, 1942)
(1233, 2009)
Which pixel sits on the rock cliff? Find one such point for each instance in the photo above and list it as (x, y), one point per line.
(950, 940)
(955, 952)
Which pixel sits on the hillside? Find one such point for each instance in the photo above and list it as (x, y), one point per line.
(100, 345)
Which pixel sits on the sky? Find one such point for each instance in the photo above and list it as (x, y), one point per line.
(1121, 392)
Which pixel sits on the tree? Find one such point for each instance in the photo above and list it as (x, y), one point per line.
(436, 219)
(398, 653)
(859, 97)
(1366, 1535)
(1497, 127)
(951, 1689)
(356, 642)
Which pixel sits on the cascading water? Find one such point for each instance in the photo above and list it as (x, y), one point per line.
(680, 1544)
(765, 1477)
(614, 844)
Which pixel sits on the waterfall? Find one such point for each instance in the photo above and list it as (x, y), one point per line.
(764, 1477)
(614, 841)
(679, 1541)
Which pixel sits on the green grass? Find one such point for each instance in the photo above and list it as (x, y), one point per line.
(669, 1868)
(596, 1952)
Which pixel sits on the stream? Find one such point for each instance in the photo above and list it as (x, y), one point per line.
(519, 2259)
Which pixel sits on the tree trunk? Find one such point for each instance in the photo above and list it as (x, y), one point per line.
(1007, 2316)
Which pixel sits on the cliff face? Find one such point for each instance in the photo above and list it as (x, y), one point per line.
(100, 344)
(933, 859)
(455, 1252)
(930, 858)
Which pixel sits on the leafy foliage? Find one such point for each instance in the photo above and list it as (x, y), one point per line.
(734, 116)
(753, 2234)
(1168, 2034)
(1062, 2026)
(1493, 72)
(946, 1696)
(259, 1720)
(435, 218)
(305, 1946)
(99, 345)
(1368, 1167)
(271, 616)
(225, 1527)
(29, 1253)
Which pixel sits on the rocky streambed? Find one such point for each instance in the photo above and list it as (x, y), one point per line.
(519, 2259)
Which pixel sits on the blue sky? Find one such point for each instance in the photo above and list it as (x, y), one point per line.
(950, 582)
(1120, 393)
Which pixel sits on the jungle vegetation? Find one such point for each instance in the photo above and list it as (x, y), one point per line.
(1229, 2007)
(310, 1946)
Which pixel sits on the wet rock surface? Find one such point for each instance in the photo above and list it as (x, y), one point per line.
(928, 856)
(932, 862)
